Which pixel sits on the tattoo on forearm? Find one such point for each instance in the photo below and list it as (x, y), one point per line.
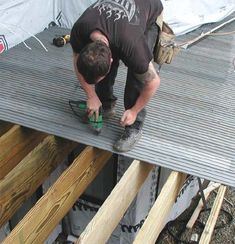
(148, 76)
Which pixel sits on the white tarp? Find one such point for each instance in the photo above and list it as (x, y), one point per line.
(186, 15)
(20, 19)
(69, 11)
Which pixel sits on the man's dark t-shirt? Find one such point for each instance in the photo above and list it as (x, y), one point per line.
(124, 23)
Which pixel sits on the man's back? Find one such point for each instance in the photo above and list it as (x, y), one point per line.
(124, 23)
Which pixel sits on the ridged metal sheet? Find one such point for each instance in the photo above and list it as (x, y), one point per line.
(190, 126)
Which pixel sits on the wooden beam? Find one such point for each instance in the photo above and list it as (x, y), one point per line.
(59, 199)
(200, 205)
(156, 219)
(113, 209)
(210, 224)
(15, 144)
(30, 173)
(4, 127)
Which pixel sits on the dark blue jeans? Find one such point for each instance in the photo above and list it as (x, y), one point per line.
(133, 88)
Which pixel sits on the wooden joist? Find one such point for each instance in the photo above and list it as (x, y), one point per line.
(113, 209)
(155, 221)
(200, 205)
(15, 144)
(58, 200)
(4, 127)
(25, 164)
(21, 182)
(210, 224)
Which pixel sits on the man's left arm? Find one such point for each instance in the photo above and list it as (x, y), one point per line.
(152, 82)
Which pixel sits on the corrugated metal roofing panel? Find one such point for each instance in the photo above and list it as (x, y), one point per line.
(190, 123)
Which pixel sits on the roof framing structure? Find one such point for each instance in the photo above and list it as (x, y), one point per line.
(31, 170)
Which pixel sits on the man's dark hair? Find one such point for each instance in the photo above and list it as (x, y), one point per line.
(94, 61)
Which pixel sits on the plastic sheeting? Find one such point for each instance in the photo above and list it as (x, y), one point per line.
(191, 14)
(67, 14)
(20, 19)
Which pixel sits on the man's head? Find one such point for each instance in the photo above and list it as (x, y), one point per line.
(94, 61)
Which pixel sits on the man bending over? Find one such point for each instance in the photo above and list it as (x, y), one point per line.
(109, 31)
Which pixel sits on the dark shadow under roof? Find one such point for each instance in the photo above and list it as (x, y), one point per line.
(190, 125)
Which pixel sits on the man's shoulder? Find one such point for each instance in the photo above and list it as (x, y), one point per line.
(136, 54)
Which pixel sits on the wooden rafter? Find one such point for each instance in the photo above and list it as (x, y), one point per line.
(200, 205)
(53, 206)
(155, 221)
(30, 173)
(210, 224)
(4, 127)
(116, 204)
(15, 144)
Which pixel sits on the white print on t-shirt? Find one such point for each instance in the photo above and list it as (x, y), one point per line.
(119, 8)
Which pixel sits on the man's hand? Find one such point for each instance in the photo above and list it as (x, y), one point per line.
(93, 106)
(128, 117)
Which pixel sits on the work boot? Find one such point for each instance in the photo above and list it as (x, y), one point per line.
(129, 138)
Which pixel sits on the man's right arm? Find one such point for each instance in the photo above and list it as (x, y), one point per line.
(93, 102)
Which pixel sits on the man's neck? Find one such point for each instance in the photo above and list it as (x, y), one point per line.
(98, 36)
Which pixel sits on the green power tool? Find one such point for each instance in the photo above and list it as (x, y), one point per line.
(79, 108)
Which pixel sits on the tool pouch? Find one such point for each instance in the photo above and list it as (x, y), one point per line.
(165, 49)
